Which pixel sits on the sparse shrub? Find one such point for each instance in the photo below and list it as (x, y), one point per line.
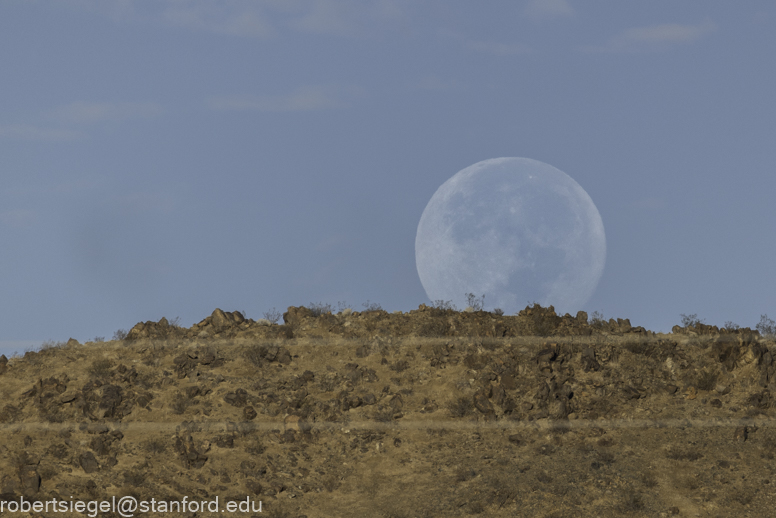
(98, 339)
(597, 319)
(372, 306)
(544, 477)
(134, 478)
(766, 327)
(444, 305)
(319, 308)
(180, 403)
(683, 454)
(255, 354)
(464, 474)
(498, 311)
(435, 327)
(633, 502)
(461, 407)
(342, 305)
(273, 315)
(707, 380)
(51, 344)
(100, 368)
(475, 303)
(175, 322)
(155, 446)
(120, 334)
(731, 326)
(384, 415)
(9, 413)
(254, 445)
(649, 479)
(691, 320)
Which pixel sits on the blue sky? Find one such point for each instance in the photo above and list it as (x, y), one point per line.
(164, 158)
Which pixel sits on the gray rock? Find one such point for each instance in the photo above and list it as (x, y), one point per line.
(88, 462)
(482, 403)
(219, 320)
(30, 479)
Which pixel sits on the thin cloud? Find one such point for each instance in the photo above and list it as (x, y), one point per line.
(433, 83)
(490, 47)
(244, 19)
(348, 17)
(538, 9)
(655, 36)
(82, 112)
(499, 49)
(326, 17)
(648, 203)
(669, 33)
(259, 18)
(310, 98)
(29, 132)
(18, 218)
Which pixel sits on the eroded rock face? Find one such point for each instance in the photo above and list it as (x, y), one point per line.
(153, 330)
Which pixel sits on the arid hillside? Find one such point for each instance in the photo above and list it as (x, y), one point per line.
(420, 414)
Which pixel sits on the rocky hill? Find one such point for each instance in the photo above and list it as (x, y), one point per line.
(427, 413)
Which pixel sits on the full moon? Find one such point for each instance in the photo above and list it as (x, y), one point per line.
(515, 230)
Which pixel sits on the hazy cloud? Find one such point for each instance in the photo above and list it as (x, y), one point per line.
(18, 218)
(235, 18)
(490, 47)
(654, 36)
(82, 112)
(434, 83)
(29, 132)
(326, 17)
(548, 8)
(257, 18)
(499, 49)
(308, 98)
(668, 33)
(648, 203)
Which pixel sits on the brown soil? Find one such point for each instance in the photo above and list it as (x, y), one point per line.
(427, 413)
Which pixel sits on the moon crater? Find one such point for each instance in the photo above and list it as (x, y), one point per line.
(515, 230)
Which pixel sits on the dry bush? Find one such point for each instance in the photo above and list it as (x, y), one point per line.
(707, 380)
(372, 306)
(444, 305)
(319, 308)
(155, 446)
(273, 315)
(682, 454)
(633, 502)
(50, 344)
(461, 407)
(100, 368)
(180, 403)
(691, 320)
(649, 479)
(597, 320)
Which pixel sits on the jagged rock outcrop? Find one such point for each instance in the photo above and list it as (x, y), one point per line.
(426, 321)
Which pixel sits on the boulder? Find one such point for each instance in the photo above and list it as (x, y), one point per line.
(294, 315)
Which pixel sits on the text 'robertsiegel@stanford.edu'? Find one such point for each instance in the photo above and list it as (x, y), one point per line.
(129, 506)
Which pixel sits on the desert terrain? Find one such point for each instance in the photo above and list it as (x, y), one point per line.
(428, 413)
